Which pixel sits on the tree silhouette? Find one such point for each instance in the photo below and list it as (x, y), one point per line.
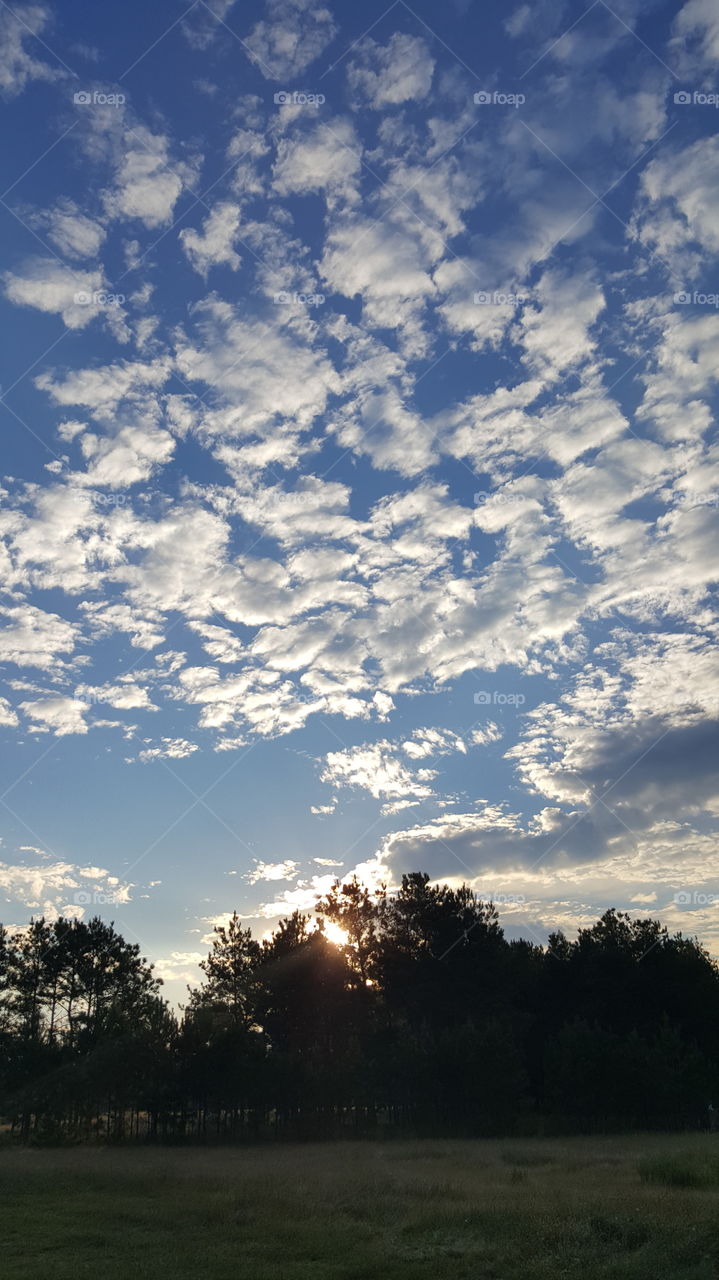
(422, 1018)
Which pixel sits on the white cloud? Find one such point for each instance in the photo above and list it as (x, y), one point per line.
(292, 36)
(142, 625)
(261, 871)
(8, 718)
(18, 66)
(219, 642)
(433, 742)
(376, 769)
(180, 966)
(78, 296)
(123, 697)
(33, 638)
(214, 245)
(148, 179)
(379, 769)
(205, 23)
(386, 75)
(678, 214)
(555, 331)
(264, 369)
(619, 729)
(74, 233)
(696, 36)
(384, 704)
(379, 424)
(133, 454)
(388, 263)
(329, 155)
(102, 388)
(168, 749)
(302, 898)
(60, 715)
(55, 888)
(676, 400)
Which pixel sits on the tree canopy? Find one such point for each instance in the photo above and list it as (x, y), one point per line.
(422, 1018)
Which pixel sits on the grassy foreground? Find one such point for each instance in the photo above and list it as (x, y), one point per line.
(644, 1207)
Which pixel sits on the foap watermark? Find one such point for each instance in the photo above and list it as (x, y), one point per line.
(495, 98)
(298, 98)
(98, 298)
(692, 898)
(501, 497)
(692, 498)
(498, 298)
(695, 297)
(295, 501)
(111, 499)
(508, 899)
(85, 898)
(493, 698)
(91, 697)
(284, 299)
(93, 98)
(307, 698)
(695, 98)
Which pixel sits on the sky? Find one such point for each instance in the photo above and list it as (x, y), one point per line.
(359, 475)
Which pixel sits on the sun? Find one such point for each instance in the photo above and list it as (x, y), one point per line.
(334, 933)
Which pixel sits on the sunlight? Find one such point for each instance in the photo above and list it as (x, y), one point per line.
(334, 933)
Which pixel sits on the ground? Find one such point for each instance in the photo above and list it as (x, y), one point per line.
(637, 1206)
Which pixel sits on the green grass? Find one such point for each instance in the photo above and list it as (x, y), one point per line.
(535, 1210)
(682, 1170)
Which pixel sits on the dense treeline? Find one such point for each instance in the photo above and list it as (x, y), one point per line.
(426, 1020)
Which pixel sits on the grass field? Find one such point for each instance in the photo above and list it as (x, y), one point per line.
(643, 1207)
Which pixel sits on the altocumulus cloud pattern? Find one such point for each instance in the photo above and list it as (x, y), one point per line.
(360, 492)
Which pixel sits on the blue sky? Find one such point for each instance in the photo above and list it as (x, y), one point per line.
(360, 492)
